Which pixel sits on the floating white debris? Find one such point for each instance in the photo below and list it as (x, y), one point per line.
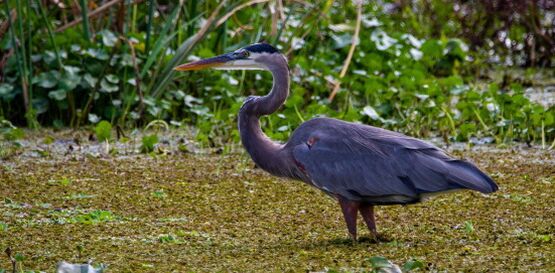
(65, 267)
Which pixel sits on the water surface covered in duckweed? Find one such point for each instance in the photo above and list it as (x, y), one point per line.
(179, 210)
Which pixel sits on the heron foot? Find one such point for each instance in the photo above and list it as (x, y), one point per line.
(354, 239)
(380, 238)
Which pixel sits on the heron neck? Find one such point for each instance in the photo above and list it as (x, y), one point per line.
(280, 90)
(265, 152)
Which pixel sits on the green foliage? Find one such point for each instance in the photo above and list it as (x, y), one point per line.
(65, 181)
(468, 227)
(19, 257)
(226, 215)
(148, 143)
(160, 194)
(3, 227)
(103, 131)
(168, 239)
(94, 217)
(413, 265)
(378, 263)
(14, 134)
(409, 73)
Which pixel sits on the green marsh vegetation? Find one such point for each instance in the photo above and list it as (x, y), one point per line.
(424, 68)
(106, 153)
(178, 212)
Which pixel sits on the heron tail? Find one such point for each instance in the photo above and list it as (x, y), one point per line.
(467, 175)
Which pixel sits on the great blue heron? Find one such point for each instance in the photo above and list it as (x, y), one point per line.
(359, 165)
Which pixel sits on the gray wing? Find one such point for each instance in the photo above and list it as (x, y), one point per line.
(366, 163)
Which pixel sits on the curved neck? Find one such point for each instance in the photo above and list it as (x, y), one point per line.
(265, 152)
(280, 90)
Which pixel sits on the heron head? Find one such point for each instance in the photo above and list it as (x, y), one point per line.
(257, 56)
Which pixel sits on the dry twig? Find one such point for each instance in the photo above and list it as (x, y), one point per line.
(350, 54)
(8, 252)
(94, 13)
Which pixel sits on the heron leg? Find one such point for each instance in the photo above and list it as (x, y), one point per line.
(350, 209)
(367, 212)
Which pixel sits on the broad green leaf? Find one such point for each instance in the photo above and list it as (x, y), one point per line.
(148, 143)
(47, 79)
(71, 70)
(109, 39)
(283, 128)
(341, 28)
(70, 79)
(382, 40)
(412, 265)
(5, 89)
(468, 227)
(89, 80)
(19, 257)
(432, 49)
(75, 48)
(59, 94)
(98, 54)
(112, 78)
(49, 57)
(103, 130)
(371, 112)
(422, 96)
(378, 262)
(342, 40)
(93, 118)
(40, 105)
(108, 87)
(127, 60)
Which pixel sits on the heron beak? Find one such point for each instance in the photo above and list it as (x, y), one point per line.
(206, 63)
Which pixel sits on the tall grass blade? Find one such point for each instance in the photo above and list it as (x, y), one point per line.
(151, 4)
(183, 51)
(162, 41)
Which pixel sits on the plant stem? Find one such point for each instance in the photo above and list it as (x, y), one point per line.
(151, 4)
(88, 105)
(451, 121)
(50, 34)
(20, 54)
(85, 18)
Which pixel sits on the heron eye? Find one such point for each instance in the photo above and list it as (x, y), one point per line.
(246, 53)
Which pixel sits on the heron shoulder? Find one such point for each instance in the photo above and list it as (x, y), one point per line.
(356, 132)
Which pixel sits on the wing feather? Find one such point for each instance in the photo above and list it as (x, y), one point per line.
(363, 162)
